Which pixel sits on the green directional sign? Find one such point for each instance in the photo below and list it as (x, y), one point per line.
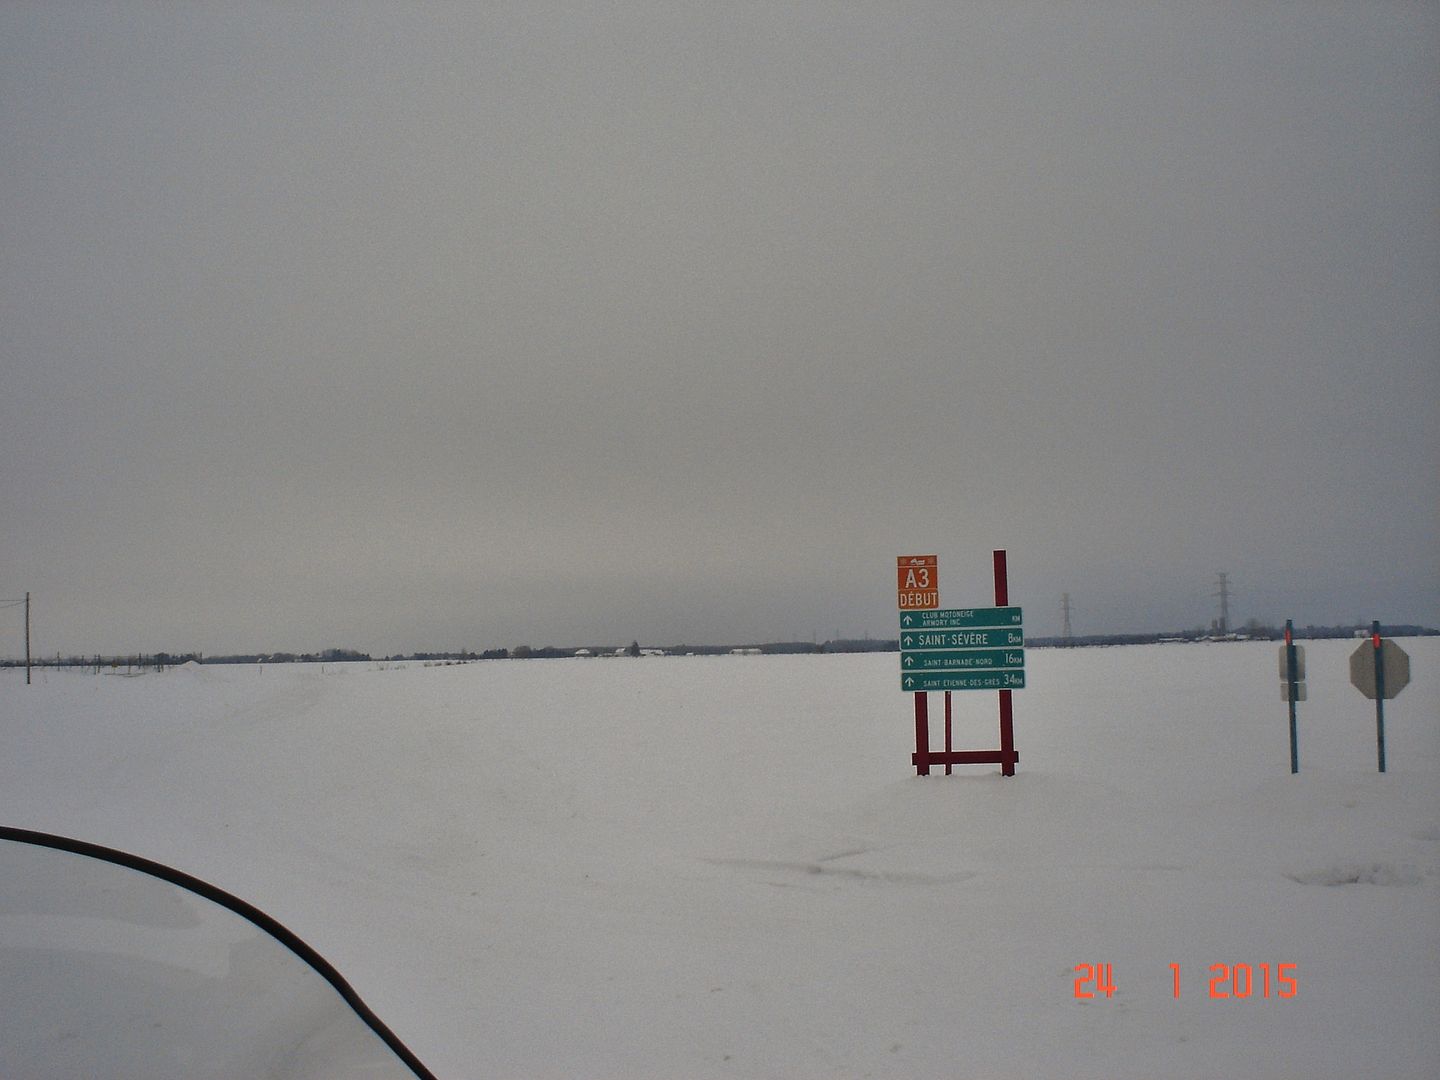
(1008, 679)
(961, 639)
(961, 659)
(959, 618)
(962, 649)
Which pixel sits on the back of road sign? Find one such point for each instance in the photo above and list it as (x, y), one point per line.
(1297, 688)
(1394, 663)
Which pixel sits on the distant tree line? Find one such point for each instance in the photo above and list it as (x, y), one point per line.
(132, 662)
(160, 660)
(327, 656)
(1252, 632)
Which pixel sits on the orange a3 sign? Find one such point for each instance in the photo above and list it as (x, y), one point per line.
(918, 581)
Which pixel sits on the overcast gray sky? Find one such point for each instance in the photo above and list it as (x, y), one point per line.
(400, 326)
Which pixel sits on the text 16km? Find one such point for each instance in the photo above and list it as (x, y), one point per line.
(1237, 982)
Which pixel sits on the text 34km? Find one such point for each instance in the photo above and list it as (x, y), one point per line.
(1232, 982)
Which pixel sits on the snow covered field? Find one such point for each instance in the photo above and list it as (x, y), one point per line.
(726, 867)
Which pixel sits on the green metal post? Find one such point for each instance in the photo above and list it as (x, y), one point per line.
(1290, 680)
(1379, 692)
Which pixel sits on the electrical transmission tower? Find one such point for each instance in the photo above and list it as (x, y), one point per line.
(17, 603)
(1224, 595)
(1065, 632)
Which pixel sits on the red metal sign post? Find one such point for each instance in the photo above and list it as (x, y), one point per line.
(1008, 757)
(921, 757)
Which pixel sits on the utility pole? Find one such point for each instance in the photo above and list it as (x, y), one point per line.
(27, 639)
(1224, 595)
(1065, 633)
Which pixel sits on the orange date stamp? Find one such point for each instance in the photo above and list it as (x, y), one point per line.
(1226, 982)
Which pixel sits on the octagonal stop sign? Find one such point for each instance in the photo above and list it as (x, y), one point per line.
(1394, 665)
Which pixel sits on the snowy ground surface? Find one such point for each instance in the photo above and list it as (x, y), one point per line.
(726, 867)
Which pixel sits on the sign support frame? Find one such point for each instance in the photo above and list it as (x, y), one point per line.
(1006, 756)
